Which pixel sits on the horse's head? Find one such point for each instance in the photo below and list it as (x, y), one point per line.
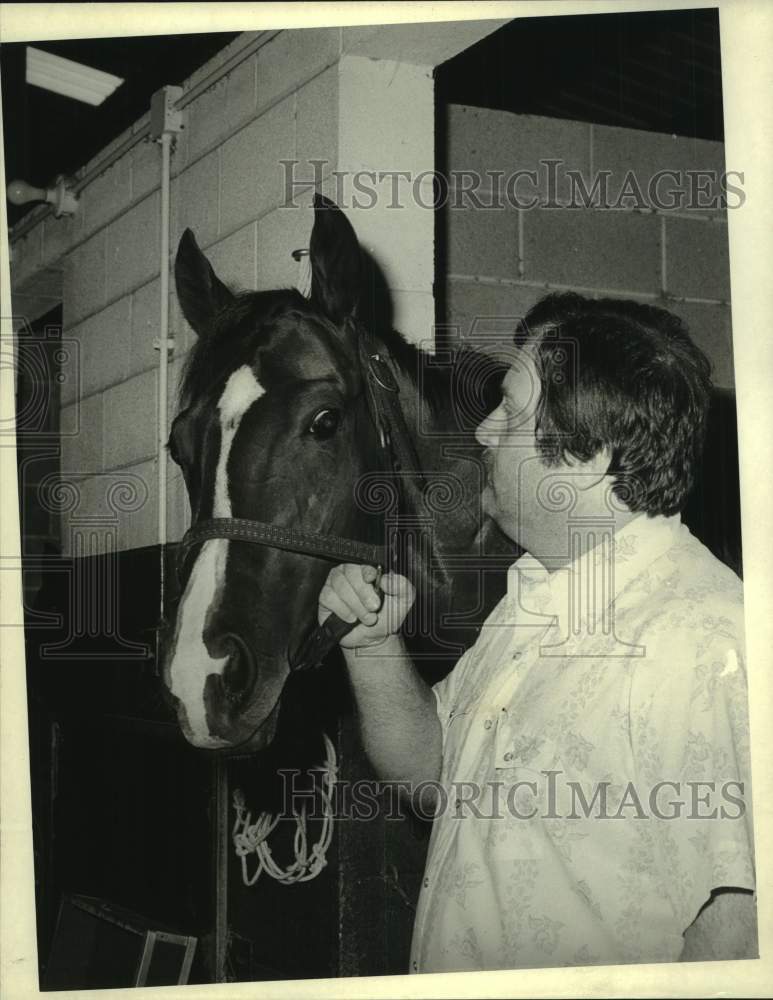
(274, 427)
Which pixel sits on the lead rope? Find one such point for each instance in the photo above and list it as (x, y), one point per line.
(252, 838)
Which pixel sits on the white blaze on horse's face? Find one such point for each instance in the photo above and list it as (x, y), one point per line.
(191, 664)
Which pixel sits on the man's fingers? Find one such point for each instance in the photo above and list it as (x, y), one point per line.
(396, 585)
(354, 594)
(350, 592)
(331, 603)
(363, 588)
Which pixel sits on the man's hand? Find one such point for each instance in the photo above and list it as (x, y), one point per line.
(726, 928)
(397, 710)
(350, 593)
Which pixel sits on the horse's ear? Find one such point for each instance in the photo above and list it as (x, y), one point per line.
(336, 262)
(200, 292)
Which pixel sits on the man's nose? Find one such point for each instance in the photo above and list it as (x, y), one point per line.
(485, 433)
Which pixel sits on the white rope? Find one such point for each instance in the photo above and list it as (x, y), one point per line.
(252, 838)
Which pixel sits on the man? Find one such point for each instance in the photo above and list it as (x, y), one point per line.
(589, 755)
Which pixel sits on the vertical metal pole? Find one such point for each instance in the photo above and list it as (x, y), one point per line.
(221, 837)
(163, 363)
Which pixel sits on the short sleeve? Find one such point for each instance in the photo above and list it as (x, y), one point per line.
(690, 741)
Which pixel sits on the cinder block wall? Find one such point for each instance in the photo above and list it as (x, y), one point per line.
(357, 99)
(281, 103)
(501, 261)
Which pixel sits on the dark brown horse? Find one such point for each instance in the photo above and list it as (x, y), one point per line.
(279, 425)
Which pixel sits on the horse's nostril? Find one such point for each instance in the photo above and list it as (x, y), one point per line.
(239, 673)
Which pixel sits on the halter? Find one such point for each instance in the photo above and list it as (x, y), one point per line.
(382, 395)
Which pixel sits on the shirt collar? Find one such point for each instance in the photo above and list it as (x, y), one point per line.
(582, 591)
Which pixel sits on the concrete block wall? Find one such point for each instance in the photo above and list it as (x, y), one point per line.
(500, 261)
(393, 131)
(228, 186)
(351, 99)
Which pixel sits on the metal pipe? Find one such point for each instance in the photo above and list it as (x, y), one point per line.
(163, 366)
(221, 828)
(256, 40)
(163, 346)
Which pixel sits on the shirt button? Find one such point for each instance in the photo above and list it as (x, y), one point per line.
(426, 883)
(508, 756)
(516, 656)
(488, 724)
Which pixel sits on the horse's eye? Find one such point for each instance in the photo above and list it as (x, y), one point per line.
(325, 424)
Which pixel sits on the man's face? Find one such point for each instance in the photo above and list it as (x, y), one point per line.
(516, 474)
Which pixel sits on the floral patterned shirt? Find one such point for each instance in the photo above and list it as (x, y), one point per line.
(595, 778)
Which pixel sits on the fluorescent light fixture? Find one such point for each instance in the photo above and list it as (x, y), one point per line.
(72, 79)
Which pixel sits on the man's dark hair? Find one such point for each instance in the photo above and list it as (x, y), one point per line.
(624, 376)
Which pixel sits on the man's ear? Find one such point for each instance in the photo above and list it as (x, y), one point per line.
(336, 262)
(594, 470)
(201, 294)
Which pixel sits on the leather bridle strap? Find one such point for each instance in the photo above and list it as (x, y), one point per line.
(323, 637)
(383, 394)
(311, 543)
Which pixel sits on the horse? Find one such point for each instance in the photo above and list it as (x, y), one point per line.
(311, 418)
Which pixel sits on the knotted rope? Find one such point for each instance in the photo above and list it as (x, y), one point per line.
(252, 838)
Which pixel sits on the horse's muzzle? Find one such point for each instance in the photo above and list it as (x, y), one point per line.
(239, 741)
(242, 701)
